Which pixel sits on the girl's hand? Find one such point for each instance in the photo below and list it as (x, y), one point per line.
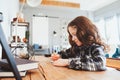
(55, 56)
(60, 62)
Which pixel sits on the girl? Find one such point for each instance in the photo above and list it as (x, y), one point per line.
(87, 49)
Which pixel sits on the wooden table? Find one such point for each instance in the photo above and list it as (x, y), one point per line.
(47, 71)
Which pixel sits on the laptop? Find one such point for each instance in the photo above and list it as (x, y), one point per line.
(8, 55)
(8, 58)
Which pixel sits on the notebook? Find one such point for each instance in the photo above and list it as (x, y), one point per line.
(4, 73)
(22, 64)
(6, 53)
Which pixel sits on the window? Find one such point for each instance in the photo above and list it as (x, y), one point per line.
(111, 30)
(119, 26)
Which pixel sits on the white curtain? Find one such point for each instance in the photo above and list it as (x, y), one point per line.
(112, 30)
(40, 31)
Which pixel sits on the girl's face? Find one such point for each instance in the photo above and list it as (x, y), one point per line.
(72, 30)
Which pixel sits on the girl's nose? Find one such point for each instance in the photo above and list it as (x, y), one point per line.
(73, 38)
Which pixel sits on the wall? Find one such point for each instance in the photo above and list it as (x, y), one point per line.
(9, 8)
(52, 11)
(112, 9)
(48, 11)
(57, 17)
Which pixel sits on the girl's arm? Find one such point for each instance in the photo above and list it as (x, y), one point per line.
(95, 62)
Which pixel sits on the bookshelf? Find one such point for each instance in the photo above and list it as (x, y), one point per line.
(22, 35)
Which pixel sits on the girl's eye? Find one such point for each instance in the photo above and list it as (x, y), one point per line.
(73, 34)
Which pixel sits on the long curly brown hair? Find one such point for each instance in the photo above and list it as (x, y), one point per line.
(87, 32)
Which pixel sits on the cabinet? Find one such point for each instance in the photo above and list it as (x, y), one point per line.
(21, 31)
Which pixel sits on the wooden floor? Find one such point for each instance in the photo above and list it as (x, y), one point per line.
(46, 71)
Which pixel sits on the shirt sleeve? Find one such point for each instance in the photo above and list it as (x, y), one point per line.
(95, 61)
(65, 54)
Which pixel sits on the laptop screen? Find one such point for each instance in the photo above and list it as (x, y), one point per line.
(8, 55)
